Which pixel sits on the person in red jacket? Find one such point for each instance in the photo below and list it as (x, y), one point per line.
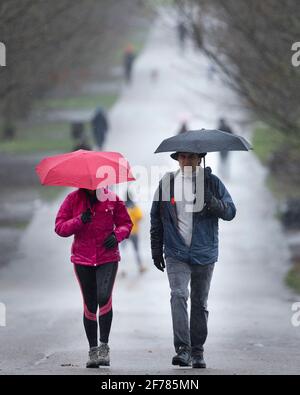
(99, 221)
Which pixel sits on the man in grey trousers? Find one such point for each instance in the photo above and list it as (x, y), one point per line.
(184, 229)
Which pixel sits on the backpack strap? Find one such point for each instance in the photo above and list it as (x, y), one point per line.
(172, 188)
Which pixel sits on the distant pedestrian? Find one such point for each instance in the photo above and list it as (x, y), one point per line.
(223, 126)
(136, 215)
(182, 33)
(183, 127)
(79, 137)
(82, 144)
(128, 61)
(100, 127)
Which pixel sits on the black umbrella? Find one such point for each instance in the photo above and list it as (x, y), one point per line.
(200, 141)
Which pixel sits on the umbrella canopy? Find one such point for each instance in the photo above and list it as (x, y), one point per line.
(84, 169)
(199, 141)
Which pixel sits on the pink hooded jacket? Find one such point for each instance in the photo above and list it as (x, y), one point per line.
(107, 217)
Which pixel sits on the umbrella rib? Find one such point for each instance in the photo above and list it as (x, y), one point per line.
(89, 172)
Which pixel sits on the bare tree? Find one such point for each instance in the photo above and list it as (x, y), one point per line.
(250, 41)
(47, 42)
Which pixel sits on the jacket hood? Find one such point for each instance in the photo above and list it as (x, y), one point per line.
(208, 171)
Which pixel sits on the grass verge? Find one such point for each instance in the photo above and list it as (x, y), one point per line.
(293, 277)
(267, 142)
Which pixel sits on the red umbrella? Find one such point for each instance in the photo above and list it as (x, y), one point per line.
(84, 169)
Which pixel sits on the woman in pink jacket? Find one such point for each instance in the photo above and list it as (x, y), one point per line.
(98, 224)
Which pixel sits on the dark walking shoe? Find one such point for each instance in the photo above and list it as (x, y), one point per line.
(198, 362)
(103, 355)
(93, 358)
(183, 357)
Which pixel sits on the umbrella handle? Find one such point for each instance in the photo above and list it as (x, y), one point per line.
(204, 176)
(205, 182)
(88, 205)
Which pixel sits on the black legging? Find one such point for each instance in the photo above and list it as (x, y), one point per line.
(96, 285)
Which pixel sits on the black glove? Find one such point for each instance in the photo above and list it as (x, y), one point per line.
(86, 216)
(214, 205)
(111, 242)
(159, 262)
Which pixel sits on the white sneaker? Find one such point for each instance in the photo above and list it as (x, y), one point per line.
(103, 355)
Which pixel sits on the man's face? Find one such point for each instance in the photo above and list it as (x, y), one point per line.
(188, 159)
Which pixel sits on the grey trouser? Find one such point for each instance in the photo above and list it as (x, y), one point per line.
(180, 274)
